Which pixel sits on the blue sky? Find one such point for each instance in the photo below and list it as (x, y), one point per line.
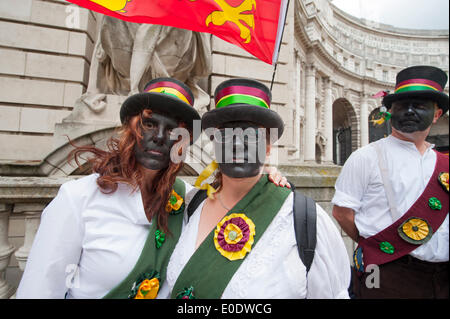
(413, 14)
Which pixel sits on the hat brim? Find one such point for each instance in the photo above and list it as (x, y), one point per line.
(440, 98)
(161, 103)
(243, 112)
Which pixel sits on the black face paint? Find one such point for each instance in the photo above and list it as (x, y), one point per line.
(412, 115)
(154, 150)
(240, 149)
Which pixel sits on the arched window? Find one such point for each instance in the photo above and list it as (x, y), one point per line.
(345, 127)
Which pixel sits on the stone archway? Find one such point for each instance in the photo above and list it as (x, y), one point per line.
(345, 130)
(57, 162)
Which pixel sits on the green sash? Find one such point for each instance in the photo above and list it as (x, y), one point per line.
(152, 258)
(208, 272)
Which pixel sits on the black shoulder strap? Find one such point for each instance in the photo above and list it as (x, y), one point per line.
(198, 198)
(305, 227)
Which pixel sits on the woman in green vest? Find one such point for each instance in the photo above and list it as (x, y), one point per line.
(91, 235)
(240, 241)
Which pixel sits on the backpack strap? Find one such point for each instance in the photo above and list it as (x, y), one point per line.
(198, 198)
(305, 227)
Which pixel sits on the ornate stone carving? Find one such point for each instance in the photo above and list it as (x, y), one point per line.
(128, 55)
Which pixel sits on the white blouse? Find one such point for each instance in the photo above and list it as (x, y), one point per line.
(360, 187)
(273, 268)
(87, 242)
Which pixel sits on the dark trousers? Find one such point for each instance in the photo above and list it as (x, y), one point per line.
(405, 278)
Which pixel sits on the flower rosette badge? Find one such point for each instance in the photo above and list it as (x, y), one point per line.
(146, 286)
(175, 204)
(233, 236)
(415, 231)
(444, 180)
(358, 259)
(187, 293)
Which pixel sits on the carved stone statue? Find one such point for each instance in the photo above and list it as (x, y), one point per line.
(128, 55)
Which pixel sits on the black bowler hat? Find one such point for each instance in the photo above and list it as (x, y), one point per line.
(243, 100)
(421, 81)
(164, 95)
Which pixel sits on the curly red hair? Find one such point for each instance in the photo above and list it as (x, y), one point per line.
(118, 165)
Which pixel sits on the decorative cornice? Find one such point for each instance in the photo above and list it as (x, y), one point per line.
(388, 30)
(315, 47)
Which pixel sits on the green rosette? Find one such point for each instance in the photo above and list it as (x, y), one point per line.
(160, 237)
(387, 247)
(187, 293)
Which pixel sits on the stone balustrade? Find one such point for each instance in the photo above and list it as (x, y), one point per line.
(26, 197)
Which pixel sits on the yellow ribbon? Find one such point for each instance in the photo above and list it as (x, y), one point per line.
(204, 175)
(170, 91)
(379, 121)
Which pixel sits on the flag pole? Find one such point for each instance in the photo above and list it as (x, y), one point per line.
(279, 47)
(273, 75)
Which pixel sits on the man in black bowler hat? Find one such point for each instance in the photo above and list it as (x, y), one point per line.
(392, 197)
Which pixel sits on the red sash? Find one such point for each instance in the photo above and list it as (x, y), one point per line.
(411, 230)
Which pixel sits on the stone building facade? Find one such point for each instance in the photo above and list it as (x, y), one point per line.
(329, 67)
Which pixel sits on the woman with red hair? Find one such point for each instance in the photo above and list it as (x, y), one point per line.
(110, 234)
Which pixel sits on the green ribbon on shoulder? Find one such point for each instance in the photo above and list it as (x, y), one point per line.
(152, 258)
(207, 271)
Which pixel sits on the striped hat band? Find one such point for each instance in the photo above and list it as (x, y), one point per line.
(241, 94)
(417, 85)
(170, 88)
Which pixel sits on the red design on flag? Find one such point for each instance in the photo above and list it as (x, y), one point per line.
(254, 25)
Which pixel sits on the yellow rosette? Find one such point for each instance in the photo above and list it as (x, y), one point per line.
(234, 236)
(148, 289)
(415, 230)
(444, 180)
(175, 202)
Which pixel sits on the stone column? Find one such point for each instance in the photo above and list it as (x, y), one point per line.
(328, 122)
(297, 137)
(32, 214)
(6, 250)
(310, 115)
(364, 120)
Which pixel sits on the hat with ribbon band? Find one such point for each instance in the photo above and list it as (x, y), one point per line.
(163, 95)
(421, 81)
(239, 100)
(243, 100)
